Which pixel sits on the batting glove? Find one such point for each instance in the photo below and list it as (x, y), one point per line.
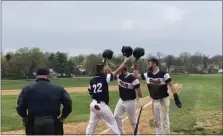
(140, 102)
(177, 101)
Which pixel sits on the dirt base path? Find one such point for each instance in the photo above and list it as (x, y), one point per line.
(69, 89)
(80, 127)
(145, 126)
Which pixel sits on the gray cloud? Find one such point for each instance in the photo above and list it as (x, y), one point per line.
(87, 27)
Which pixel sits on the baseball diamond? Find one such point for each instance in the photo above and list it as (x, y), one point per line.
(194, 93)
(111, 68)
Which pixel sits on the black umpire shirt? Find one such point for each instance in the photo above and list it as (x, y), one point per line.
(43, 99)
(127, 85)
(157, 83)
(98, 87)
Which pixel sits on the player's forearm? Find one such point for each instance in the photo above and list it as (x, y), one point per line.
(136, 71)
(173, 89)
(119, 69)
(139, 92)
(136, 74)
(108, 69)
(175, 95)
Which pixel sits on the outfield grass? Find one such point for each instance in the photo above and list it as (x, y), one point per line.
(81, 101)
(201, 97)
(201, 113)
(65, 82)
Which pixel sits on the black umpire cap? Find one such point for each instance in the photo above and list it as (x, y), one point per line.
(42, 71)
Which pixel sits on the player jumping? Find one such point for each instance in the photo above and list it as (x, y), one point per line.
(98, 89)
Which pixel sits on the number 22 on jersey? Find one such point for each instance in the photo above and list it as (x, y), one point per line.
(97, 87)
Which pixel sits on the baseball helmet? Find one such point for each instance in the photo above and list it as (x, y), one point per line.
(127, 51)
(107, 54)
(138, 52)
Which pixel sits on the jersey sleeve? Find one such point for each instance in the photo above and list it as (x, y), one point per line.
(89, 89)
(136, 83)
(143, 76)
(167, 78)
(109, 77)
(22, 104)
(67, 103)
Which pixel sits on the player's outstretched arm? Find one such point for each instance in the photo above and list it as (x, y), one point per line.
(137, 53)
(136, 73)
(121, 67)
(112, 74)
(108, 69)
(168, 80)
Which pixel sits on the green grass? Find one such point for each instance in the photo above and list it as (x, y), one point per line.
(81, 101)
(201, 97)
(12, 121)
(65, 82)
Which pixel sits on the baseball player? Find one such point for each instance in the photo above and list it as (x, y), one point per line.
(98, 89)
(157, 83)
(127, 103)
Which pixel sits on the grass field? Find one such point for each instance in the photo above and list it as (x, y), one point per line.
(65, 82)
(201, 97)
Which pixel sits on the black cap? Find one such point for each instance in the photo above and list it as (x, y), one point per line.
(42, 71)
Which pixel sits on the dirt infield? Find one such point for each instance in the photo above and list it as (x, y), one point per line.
(145, 126)
(69, 89)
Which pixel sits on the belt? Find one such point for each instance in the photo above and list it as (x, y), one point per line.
(98, 101)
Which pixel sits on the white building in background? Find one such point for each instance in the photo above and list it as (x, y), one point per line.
(81, 68)
(220, 71)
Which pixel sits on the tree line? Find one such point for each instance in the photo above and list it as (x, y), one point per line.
(24, 62)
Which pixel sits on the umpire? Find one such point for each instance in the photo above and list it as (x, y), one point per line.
(39, 106)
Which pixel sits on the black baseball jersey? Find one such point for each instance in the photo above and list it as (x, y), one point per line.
(157, 83)
(127, 85)
(98, 87)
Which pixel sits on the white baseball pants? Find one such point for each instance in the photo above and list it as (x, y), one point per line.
(161, 116)
(130, 108)
(105, 114)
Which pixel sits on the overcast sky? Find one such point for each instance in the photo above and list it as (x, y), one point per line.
(90, 27)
